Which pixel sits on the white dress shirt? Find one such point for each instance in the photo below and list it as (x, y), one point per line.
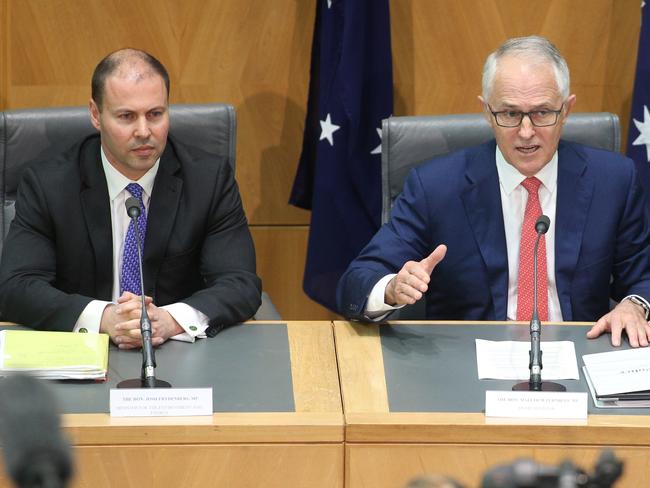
(193, 322)
(513, 201)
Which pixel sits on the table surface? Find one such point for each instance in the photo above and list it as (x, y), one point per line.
(419, 381)
(247, 367)
(272, 382)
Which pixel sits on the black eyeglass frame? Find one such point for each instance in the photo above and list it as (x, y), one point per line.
(524, 114)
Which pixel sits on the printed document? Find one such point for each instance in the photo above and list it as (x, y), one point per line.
(619, 372)
(508, 360)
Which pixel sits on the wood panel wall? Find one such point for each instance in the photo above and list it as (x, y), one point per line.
(255, 55)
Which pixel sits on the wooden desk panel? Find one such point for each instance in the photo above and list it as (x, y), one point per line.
(385, 449)
(240, 450)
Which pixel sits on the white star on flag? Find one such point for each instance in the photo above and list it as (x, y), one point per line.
(328, 129)
(644, 131)
(377, 150)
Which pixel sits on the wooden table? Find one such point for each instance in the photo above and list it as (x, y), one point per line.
(302, 448)
(384, 448)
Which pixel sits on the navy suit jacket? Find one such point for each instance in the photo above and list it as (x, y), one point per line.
(602, 236)
(58, 255)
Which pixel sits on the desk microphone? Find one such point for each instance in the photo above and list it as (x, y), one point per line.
(535, 382)
(36, 454)
(147, 377)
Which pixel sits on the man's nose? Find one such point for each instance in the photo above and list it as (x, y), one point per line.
(526, 128)
(142, 130)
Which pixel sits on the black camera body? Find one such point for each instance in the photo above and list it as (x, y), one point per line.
(526, 473)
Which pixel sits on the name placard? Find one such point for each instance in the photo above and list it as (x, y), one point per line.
(536, 404)
(160, 402)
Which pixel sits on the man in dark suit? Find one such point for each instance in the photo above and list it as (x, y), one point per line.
(68, 262)
(460, 232)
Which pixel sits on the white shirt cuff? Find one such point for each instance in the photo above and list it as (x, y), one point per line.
(193, 322)
(91, 317)
(376, 307)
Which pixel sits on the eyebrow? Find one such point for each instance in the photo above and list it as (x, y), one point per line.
(127, 109)
(545, 105)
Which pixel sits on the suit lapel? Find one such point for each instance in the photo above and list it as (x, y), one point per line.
(97, 214)
(165, 199)
(574, 195)
(482, 202)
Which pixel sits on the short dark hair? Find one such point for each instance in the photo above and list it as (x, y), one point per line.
(113, 61)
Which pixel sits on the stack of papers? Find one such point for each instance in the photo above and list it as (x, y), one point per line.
(619, 378)
(54, 355)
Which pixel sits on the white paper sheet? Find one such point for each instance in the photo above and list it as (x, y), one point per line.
(508, 360)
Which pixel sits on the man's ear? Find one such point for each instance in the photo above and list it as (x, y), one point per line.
(94, 113)
(568, 105)
(485, 109)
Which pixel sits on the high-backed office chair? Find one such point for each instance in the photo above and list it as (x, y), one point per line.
(27, 135)
(409, 141)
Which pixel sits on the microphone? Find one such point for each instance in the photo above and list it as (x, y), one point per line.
(541, 226)
(133, 209)
(148, 377)
(535, 354)
(35, 452)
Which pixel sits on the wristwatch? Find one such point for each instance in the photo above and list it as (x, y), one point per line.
(641, 303)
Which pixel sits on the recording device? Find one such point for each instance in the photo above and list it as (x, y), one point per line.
(535, 354)
(147, 377)
(36, 454)
(525, 473)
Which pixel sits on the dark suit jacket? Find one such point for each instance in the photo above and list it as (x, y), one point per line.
(602, 232)
(198, 250)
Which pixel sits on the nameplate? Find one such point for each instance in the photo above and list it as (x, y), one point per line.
(536, 404)
(160, 402)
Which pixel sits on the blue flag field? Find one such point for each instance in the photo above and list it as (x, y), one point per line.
(638, 139)
(339, 174)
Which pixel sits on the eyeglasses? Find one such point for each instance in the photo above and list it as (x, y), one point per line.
(539, 118)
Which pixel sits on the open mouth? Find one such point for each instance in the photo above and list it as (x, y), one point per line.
(527, 149)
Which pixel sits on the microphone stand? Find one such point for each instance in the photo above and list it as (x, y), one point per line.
(147, 376)
(535, 382)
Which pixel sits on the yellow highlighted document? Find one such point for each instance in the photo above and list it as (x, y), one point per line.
(54, 355)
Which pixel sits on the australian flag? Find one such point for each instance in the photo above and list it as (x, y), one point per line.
(339, 174)
(638, 138)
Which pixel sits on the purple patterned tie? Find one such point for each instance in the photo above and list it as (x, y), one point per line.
(130, 279)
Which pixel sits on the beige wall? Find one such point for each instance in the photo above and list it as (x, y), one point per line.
(254, 54)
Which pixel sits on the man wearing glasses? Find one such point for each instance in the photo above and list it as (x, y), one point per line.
(463, 230)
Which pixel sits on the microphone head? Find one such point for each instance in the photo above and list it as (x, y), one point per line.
(133, 207)
(35, 452)
(542, 224)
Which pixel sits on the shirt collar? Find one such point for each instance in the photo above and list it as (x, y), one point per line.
(510, 177)
(117, 182)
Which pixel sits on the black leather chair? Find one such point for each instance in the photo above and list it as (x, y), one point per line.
(27, 135)
(409, 141)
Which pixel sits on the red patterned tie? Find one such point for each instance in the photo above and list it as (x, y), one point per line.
(526, 261)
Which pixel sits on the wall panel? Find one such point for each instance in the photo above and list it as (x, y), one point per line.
(252, 54)
(255, 55)
(281, 252)
(4, 47)
(439, 47)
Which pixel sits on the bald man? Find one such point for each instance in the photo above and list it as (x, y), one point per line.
(68, 263)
